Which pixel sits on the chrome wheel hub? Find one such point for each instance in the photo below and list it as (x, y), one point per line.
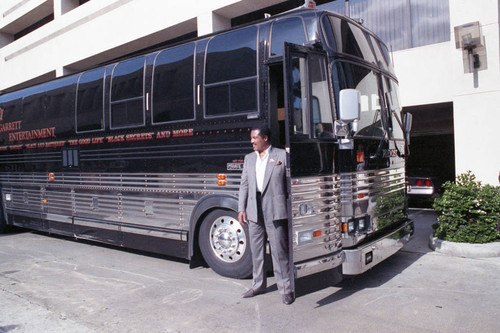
(227, 239)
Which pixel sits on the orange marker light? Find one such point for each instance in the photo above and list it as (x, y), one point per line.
(221, 176)
(221, 182)
(51, 177)
(310, 3)
(360, 156)
(317, 233)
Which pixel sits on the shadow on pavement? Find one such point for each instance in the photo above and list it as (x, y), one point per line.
(378, 275)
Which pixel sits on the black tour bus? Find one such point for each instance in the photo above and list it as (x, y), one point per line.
(147, 153)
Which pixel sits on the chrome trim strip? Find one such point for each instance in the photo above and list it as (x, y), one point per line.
(319, 194)
(158, 205)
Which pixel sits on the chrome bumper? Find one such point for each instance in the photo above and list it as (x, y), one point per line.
(319, 264)
(420, 190)
(361, 259)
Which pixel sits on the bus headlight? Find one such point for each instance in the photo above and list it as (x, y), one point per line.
(361, 224)
(306, 236)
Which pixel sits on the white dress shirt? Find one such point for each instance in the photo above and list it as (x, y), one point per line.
(260, 168)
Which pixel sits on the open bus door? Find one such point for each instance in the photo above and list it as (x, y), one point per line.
(303, 94)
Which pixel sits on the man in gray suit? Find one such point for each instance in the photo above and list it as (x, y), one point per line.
(263, 205)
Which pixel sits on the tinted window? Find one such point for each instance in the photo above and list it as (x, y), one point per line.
(50, 103)
(352, 76)
(10, 111)
(231, 73)
(382, 60)
(289, 30)
(232, 56)
(351, 39)
(300, 116)
(321, 102)
(236, 97)
(11, 106)
(173, 85)
(127, 90)
(90, 101)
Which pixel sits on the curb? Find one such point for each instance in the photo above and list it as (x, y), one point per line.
(466, 250)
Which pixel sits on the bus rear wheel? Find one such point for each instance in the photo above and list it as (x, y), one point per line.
(224, 244)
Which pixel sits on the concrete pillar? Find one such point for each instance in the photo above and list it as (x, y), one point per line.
(61, 71)
(61, 7)
(212, 22)
(5, 39)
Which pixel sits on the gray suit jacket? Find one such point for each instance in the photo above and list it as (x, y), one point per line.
(274, 193)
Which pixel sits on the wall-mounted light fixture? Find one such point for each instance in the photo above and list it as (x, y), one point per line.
(468, 37)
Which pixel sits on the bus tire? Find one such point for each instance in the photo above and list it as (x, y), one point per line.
(224, 244)
(3, 223)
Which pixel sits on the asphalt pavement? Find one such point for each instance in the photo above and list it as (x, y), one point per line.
(54, 284)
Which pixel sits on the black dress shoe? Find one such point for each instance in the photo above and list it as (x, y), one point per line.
(251, 293)
(288, 298)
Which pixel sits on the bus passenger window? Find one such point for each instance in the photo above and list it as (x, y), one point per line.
(127, 94)
(173, 85)
(90, 101)
(47, 103)
(231, 73)
(290, 30)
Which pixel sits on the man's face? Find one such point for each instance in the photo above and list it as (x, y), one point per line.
(259, 143)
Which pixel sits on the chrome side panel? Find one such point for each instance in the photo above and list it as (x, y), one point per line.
(316, 207)
(155, 205)
(378, 195)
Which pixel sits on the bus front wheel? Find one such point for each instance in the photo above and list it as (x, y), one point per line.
(224, 243)
(3, 224)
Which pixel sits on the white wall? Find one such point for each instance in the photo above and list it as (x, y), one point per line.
(436, 73)
(424, 74)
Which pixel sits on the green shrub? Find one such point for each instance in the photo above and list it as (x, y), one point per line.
(468, 211)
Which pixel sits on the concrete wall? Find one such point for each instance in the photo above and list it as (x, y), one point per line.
(436, 73)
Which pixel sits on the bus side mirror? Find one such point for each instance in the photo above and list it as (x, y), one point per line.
(408, 121)
(349, 115)
(350, 105)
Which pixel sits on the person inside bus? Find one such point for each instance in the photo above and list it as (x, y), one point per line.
(263, 205)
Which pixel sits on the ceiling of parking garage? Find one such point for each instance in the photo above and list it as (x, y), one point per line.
(432, 119)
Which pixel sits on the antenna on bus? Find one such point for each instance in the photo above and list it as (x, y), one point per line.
(267, 16)
(309, 4)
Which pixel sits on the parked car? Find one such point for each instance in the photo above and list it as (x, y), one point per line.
(422, 188)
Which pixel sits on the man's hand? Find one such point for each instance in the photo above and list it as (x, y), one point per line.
(242, 218)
